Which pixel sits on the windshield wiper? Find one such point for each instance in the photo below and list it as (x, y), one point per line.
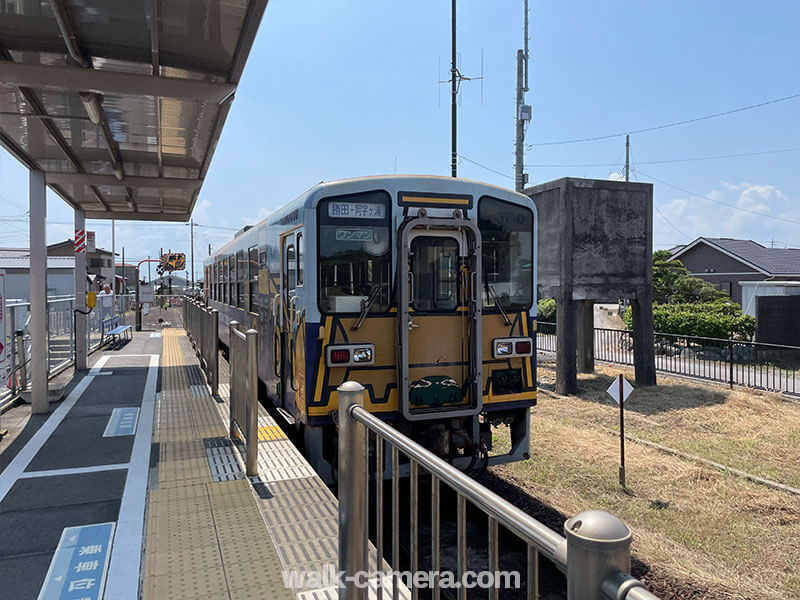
(366, 306)
(499, 304)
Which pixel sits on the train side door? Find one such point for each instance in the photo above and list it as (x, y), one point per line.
(288, 318)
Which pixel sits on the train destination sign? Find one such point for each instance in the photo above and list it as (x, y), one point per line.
(356, 210)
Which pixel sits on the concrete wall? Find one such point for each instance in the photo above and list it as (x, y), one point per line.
(778, 320)
(595, 238)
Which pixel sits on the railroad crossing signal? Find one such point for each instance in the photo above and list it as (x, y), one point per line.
(174, 261)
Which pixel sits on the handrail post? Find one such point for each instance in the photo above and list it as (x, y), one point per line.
(352, 470)
(251, 463)
(213, 366)
(598, 545)
(232, 327)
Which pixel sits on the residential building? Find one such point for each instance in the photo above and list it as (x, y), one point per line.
(726, 262)
(16, 264)
(99, 263)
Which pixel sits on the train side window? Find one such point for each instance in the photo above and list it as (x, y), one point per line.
(232, 280)
(291, 268)
(253, 284)
(241, 278)
(507, 241)
(300, 254)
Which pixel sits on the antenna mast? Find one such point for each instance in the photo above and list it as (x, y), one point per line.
(454, 75)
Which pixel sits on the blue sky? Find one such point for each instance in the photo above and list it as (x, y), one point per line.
(343, 89)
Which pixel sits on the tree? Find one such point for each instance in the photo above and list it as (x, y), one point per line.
(673, 284)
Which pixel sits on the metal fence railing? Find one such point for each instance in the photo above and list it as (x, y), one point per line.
(594, 556)
(202, 325)
(243, 360)
(752, 364)
(60, 324)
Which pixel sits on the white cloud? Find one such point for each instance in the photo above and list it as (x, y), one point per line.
(697, 217)
(616, 176)
(263, 213)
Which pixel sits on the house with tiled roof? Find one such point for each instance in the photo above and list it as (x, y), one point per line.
(726, 262)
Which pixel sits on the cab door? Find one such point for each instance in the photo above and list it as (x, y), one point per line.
(439, 318)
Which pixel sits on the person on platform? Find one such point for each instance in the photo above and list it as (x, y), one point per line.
(106, 301)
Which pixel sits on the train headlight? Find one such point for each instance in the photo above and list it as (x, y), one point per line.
(348, 355)
(512, 347)
(362, 355)
(503, 349)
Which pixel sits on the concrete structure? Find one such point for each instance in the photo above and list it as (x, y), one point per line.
(60, 276)
(727, 262)
(99, 264)
(595, 245)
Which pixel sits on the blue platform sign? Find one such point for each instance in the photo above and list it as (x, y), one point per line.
(122, 422)
(79, 566)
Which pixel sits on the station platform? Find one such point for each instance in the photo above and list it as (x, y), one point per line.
(130, 488)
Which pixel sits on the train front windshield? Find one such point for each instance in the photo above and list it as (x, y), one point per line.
(507, 232)
(354, 253)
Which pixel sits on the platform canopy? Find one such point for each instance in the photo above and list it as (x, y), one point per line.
(121, 104)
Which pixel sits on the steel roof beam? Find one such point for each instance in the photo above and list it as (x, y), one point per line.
(130, 180)
(142, 215)
(76, 79)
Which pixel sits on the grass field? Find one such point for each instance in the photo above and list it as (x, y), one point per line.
(709, 533)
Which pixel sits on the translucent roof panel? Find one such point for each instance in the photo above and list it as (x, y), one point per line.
(121, 104)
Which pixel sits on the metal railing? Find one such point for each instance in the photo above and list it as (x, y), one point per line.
(595, 555)
(244, 392)
(202, 325)
(752, 364)
(60, 325)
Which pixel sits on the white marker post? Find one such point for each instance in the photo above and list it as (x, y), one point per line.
(619, 391)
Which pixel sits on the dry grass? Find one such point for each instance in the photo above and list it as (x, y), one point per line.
(690, 523)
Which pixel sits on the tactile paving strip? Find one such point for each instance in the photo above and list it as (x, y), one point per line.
(204, 539)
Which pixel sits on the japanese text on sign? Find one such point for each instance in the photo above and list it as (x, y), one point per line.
(356, 210)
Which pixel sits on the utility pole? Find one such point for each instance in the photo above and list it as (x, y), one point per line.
(149, 277)
(191, 235)
(519, 150)
(627, 157)
(454, 74)
(523, 112)
(124, 287)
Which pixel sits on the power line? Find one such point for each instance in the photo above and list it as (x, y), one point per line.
(667, 125)
(733, 206)
(477, 164)
(675, 160)
(671, 224)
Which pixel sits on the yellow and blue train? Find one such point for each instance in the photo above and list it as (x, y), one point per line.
(421, 288)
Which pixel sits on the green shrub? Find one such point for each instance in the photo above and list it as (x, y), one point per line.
(720, 319)
(546, 310)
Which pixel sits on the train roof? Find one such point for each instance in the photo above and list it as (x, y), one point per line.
(433, 183)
